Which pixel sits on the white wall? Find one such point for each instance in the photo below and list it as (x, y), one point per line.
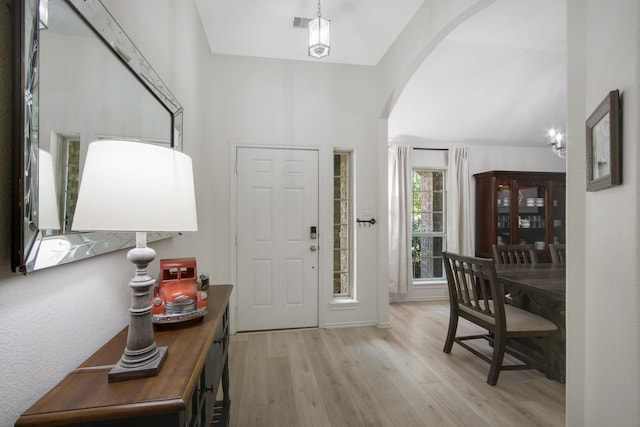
(265, 102)
(484, 158)
(537, 159)
(52, 320)
(603, 331)
(85, 90)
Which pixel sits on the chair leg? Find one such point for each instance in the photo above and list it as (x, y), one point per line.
(499, 345)
(550, 355)
(451, 334)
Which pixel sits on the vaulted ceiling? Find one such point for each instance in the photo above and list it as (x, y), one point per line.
(498, 78)
(361, 31)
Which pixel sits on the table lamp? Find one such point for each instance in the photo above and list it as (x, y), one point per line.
(141, 187)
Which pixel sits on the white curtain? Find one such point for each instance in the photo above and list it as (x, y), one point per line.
(400, 195)
(459, 204)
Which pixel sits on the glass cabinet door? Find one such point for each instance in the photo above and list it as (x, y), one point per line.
(504, 217)
(559, 194)
(532, 221)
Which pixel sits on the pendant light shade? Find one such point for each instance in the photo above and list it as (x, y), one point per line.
(319, 36)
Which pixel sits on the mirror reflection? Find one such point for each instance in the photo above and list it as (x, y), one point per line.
(88, 81)
(86, 94)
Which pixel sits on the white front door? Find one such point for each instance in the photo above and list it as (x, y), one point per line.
(277, 255)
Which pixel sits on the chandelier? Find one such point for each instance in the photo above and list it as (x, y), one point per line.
(557, 143)
(319, 30)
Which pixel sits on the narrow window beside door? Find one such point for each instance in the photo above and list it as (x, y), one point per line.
(428, 225)
(342, 226)
(66, 150)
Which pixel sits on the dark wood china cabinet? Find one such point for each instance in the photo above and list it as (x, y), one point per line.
(519, 207)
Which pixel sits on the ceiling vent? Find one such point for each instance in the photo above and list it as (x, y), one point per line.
(301, 22)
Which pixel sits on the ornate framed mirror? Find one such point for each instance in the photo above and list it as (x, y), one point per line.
(78, 78)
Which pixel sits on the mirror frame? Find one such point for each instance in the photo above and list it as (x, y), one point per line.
(27, 238)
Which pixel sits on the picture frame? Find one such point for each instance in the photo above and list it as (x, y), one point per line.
(603, 144)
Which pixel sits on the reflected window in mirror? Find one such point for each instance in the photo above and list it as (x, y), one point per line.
(66, 155)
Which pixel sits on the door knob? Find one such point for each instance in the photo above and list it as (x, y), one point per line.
(313, 248)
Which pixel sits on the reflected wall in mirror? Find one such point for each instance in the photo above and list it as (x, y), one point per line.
(80, 78)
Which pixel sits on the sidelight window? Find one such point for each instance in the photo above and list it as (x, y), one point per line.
(342, 226)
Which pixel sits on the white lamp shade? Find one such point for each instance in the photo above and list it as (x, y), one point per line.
(135, 186)
(48, 216)
(319, 37)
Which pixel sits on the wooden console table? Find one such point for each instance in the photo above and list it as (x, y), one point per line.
(182, 394)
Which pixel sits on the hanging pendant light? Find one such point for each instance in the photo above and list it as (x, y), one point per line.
(319, 30)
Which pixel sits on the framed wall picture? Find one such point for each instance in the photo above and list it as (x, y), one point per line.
(603, 144)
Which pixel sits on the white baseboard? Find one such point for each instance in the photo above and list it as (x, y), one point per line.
(349, 324)
(423, 293)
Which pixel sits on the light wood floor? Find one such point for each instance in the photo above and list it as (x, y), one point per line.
(381, 377)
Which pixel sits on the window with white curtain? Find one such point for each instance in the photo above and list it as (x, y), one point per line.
(428, 215)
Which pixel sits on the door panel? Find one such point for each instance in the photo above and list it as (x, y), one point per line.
(277, 272)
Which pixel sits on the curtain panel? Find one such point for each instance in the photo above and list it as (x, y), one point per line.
(400, 195)
(459, 203)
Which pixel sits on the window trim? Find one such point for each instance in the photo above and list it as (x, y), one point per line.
(426, 282)
(346, 300)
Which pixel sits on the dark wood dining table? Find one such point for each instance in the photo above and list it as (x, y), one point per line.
(540, 289)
